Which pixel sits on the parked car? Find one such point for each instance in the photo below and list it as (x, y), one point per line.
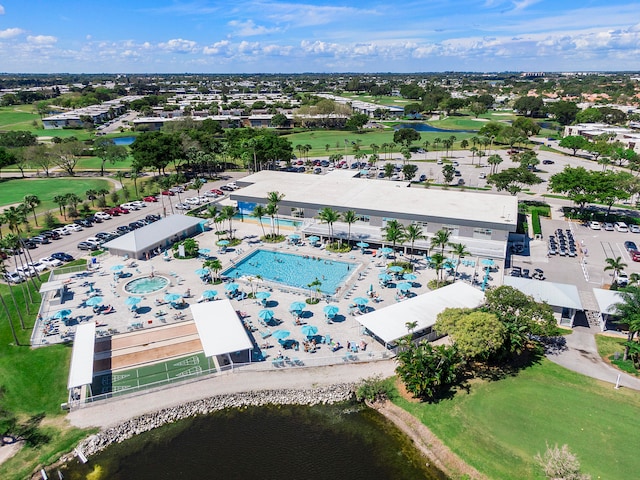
(87, 246)
(461, 181)
(40, 239)
(168, 193)
(29, 244)
(630, 246)
(217, 191)
(227, 188)
(234, 186)
(51, 235)
(150, 199)
(102, 215)
(138, 204)
(51, 262)
(183, 206)
(26, 271)
(96, 241)
(63, 257)
(38, 266)
(152, 218)
(633, 228)
(594, 225)
(622, 279)
(482, 175)
(121, 209)
(122, 229)
(63, 231)
(13, 277)
(136, 225)
(608, 227)
(548, 162)
(210, 194)
(621, 227)
(635, 255)
(192, 201)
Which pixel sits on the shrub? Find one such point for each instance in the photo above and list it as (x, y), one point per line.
(535, 220)
(374, 389)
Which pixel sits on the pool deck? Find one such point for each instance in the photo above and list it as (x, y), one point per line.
(344, 329)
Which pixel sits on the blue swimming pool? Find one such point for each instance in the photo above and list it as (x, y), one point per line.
(293, 270)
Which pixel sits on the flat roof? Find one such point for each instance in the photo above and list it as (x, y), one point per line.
(81, 370)
(340, 189)
(51, 286)
(219, 327)
(555, 294)
(148, 236)
(390, 323)
(607, 300)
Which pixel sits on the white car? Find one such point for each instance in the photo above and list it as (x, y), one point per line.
(26, 271)
(13, 277)
(203, 199)
(482, 175)
(633, 228)
(96, 241)
(608, 227)
(38, 266)
(192, 201)
(73, 227)
(622, 279)
(183, 206)
(233, 185)
(130, 206)
(50, 262)
(138, 204)
(210, 194)
(594, 225)
(63, 231)
(621, 227)
(102, 215)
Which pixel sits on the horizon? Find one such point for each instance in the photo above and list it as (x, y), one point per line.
(327, 37)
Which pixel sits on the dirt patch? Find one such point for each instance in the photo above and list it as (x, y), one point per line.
(8, 450)
(427, 443)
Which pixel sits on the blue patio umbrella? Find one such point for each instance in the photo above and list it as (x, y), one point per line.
(294, 236)
(330, 310)
(313, 239)
(132, 300)
(385, 277)
(448, 264)
(362, 244)
(201, 272)
(172, 297)
(360, 301)
(309, 330)
(204, 251)
(263, 295)
(209, 294)
(266, 314)
(223, 243)
(488, 262)
(409, 277)
(396, 269)
(117, 268)
(231, 287)
(297, 306)
(94, 301)
(386, 251)
(403, 286)
(280, 334)
(62, 313)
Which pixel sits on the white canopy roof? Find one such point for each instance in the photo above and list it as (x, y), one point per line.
(81, 371)
(389, 323)
(555, 294)
(50, 286)
(607, 300)
(219, 327)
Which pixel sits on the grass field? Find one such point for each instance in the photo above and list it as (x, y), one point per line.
(612, 348)
(500, 426)
(13, 191)
(176, 368)
(18, 117)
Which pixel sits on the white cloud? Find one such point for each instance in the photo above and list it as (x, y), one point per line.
(217, 48)
(11, 32)
(179, 45)
(303, 15)
(249, 28)
(41, 39)
(1, 10)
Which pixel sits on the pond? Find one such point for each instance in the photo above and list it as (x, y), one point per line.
(326, 441)
(425, 127)
(124, 140)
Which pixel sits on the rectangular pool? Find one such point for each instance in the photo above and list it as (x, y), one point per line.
(293, 270)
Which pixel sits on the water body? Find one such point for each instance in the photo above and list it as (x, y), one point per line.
(312, 443)
(425, 127)
(124, 140)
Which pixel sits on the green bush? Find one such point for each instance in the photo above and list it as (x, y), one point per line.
(535, 220)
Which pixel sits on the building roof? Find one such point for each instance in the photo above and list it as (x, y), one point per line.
(389, 323)
(607, 299)
(81, 371)
(148, 236)
(219, 327)
(555, 294)
(340, 189)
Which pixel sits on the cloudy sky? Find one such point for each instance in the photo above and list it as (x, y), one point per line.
(270, 36)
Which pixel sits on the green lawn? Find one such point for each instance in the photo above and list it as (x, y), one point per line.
(13, 191)
(17, 117)
(612, 348)
(94, 163)
(500, 426)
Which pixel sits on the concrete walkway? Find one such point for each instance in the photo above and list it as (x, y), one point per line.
(582, 356)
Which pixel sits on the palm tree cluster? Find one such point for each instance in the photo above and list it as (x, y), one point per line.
(270, 210)
(330, 216)
(441, 240)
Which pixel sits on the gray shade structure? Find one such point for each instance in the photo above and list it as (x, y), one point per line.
(161, 234)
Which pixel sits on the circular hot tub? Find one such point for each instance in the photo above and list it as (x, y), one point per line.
(146, 285)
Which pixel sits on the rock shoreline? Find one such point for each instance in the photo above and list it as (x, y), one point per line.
(144, 423)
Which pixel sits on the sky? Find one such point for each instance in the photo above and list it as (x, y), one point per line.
(271, 36)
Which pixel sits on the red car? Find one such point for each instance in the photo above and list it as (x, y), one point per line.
(217, 191)
(150, 199)
(168, 193)
(635, 255)
(120, 210)
(114, 212)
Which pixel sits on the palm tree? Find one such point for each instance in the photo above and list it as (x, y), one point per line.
(119, 175)
(329, 216)
(616, 265)
(425, 147)
(31, 202)
(438, 260)
(215, 265)
(441, 239)
(91, 194)
(394, 232)
(72, 200)
(13, 329)
(494, 160)
(628, 312)
(258, 212)
(436, 141)
(414, 232)
(459, 250)
(134, 176)
(349, 217)
(61, 201)
(275, 198)
(227, 212)
(271, 210)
